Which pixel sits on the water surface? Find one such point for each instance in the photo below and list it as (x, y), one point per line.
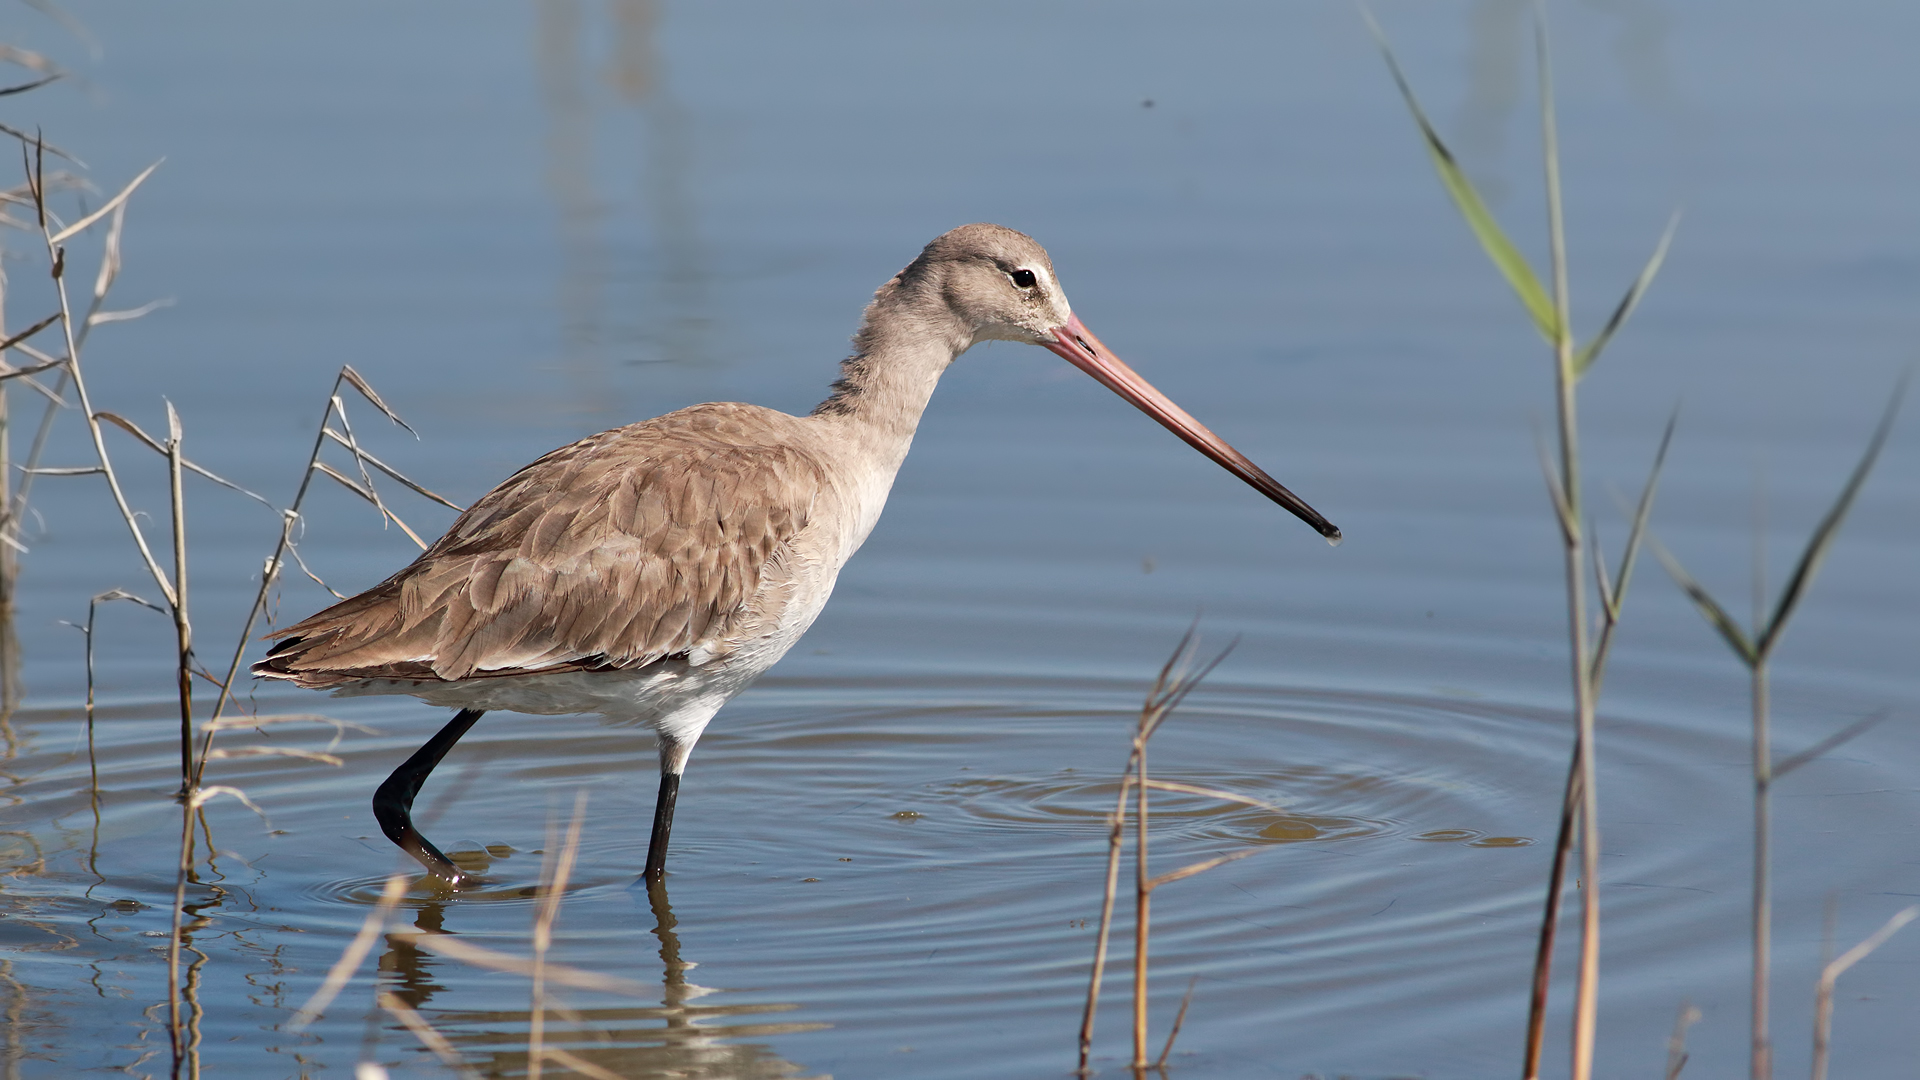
(527, 223)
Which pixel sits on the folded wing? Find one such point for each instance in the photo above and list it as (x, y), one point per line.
(635, 544)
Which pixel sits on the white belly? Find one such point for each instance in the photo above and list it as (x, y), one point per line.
(675, 696)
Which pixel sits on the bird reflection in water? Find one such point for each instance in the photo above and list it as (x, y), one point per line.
(676, 1038)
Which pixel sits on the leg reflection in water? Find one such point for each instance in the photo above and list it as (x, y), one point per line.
(486, 1018)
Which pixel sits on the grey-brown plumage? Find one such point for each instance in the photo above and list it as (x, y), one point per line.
(651, 572)
(617, 551)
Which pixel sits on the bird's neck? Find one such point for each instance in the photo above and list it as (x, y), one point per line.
(899, 354)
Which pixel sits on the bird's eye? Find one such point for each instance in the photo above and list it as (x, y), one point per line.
(1023, 279)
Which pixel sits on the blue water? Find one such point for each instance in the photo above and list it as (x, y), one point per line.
(525, 223)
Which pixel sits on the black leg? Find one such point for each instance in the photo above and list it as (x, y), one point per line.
(662, 825)
(393, 803)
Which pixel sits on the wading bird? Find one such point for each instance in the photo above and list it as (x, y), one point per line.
(649, 573)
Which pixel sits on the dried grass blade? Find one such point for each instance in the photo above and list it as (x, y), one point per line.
(1202, 867)
(366, 391)
(99, 318)
(1831, 743)
(351, 958)
(111, 205)
(425, 1032)
(579, 1065)
(345, 481)
(64, 470)
(359, 461)
(1212, 793)
(28, 372)
(454, 948)
(1493, 240)
(1179, 1019)
(273, 751)
(1184, 683)
(392, 472)
(36, 141)
(205, 795)
(294, 550)
(157, 447)
(21, 88)
(30, 331)
(132, 429)
(1829, 526)
(1588, 353)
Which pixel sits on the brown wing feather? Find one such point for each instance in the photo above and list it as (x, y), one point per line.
(625, 547)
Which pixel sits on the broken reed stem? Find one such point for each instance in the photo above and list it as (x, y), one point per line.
(1830, 974)
(1142, 899)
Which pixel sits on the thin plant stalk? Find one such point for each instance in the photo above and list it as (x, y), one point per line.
(1677, 1042)
(1179, 1019)
(184, 870)
(1176, 680)
(290, 518)
(1762, 1063)
(1755, 649)
(57, 256)
(1116, 833)
(182, 624)
(1142, 901)
(1566, 379)
(1551, 313)
(1830, 974)
(1612, 595)
(546, 913)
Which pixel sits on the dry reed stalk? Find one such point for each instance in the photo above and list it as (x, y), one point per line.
(545, 914)
(355, 953)
(1115, 837)
(291, 517)
(1175, 681)
(182, 623)
(431, 1039)
(579, 1064)
(1142, 899)
(200, 797)
(57, 258)
(1677, 1055)
(1179, 1020)
(456, 948)
(1830, 974)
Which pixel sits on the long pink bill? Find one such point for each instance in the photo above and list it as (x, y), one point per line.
(1081, 349)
